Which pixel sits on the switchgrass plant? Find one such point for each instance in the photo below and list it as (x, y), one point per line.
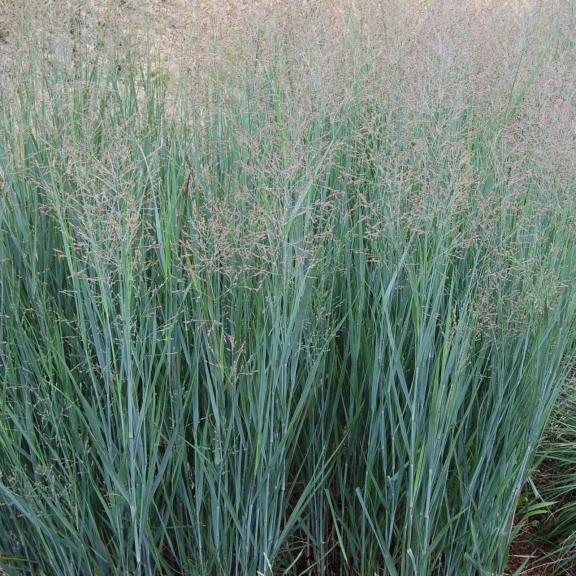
(279, 322)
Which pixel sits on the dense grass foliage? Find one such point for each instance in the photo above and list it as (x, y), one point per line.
(247, 330)
(553, 528)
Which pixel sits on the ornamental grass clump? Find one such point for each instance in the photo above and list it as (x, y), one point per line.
(303, 311)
